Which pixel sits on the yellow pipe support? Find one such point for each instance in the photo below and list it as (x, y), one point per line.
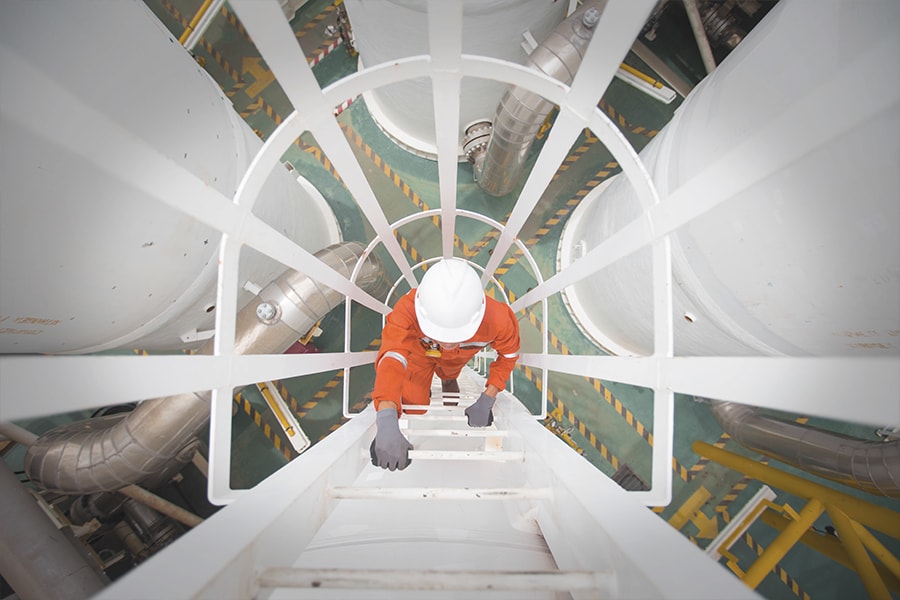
(200, 12)
(285, 424)
(828, 546)
(654, 82)
(877, 517)
(783, 543)
(886, 557)
(861, 560)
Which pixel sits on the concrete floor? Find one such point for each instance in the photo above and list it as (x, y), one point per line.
(609, 422)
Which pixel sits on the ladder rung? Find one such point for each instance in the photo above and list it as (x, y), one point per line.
(436, 407)
(428, 493)
(497, 456)
(389, 579)
(434, 417)
(492, 456)
(458, 432)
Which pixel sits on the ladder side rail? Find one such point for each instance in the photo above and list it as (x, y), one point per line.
(589, 512)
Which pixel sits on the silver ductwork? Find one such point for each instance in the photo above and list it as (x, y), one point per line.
(105, 455)
(521, 112)
(866, 465)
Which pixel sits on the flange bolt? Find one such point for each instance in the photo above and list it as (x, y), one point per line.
(266, 312)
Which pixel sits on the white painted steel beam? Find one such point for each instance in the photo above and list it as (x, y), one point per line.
(105, 380)
(445, 47)
(420, 493)
(844, 388)
(490, 456)
(278, 46)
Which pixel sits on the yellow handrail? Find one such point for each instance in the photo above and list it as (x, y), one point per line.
(200, 12)
(846, 512)
(654, 82)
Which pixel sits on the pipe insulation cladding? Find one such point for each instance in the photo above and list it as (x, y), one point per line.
(388, 30)
(101, 455)
(803, 256)
(106, 126)
(868, 465)
(521, 112)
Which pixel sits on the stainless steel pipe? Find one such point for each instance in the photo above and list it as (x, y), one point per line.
(109, 453)
(866, 465)
(521, 112)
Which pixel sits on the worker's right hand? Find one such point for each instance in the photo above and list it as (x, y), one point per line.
(389, 450)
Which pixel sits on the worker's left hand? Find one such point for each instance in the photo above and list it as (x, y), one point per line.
(479, 413)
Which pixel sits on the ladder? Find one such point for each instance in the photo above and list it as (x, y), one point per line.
(507, 511)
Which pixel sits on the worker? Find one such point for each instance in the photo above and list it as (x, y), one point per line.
(436, 329)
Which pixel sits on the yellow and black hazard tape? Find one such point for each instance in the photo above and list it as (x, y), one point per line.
(398, 182)
(570, 416)
(176, 14)
(302, 410)
(701, 464)
(317, 152)
(235, 22)
(408, 248)
(354, 408)
(610, 398)
(572, 158)
(320, 156)
(315, 21)
(725, 503)
(777, 569)
(223, 63)
(623, 123)
(264, 422)
(203, 43)
(608, 169)
(483, 242)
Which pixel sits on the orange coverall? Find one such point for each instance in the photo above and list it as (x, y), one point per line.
(403, 371)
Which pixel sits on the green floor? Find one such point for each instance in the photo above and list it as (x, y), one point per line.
(611, 423)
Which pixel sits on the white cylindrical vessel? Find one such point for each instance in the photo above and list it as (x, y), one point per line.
(99, 122)
(386, 30)
(802, 123)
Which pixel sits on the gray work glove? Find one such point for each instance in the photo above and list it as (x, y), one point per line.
(479, 413)
(389, 450)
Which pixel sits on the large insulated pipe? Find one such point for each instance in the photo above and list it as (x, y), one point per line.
(521, 112)
(870, 466)
(85, 457)
(31, 544)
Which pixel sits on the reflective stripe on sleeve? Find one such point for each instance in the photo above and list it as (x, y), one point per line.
(516, 355)
(474, 345)
(396, 356)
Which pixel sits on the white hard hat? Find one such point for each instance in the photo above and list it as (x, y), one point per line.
(450, 301)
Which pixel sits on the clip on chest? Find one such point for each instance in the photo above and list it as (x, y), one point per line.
(432, 349)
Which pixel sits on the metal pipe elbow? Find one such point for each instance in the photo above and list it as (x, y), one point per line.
(108, 453)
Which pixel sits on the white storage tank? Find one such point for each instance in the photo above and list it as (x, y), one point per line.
(387, 30)
(103, 115)
(800, 127)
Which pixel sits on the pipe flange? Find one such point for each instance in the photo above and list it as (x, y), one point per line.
(477, 136)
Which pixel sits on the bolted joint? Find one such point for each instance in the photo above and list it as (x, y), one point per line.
(590, 18)
(268, 313)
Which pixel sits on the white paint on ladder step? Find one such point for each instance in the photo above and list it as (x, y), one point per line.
(433, 493)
